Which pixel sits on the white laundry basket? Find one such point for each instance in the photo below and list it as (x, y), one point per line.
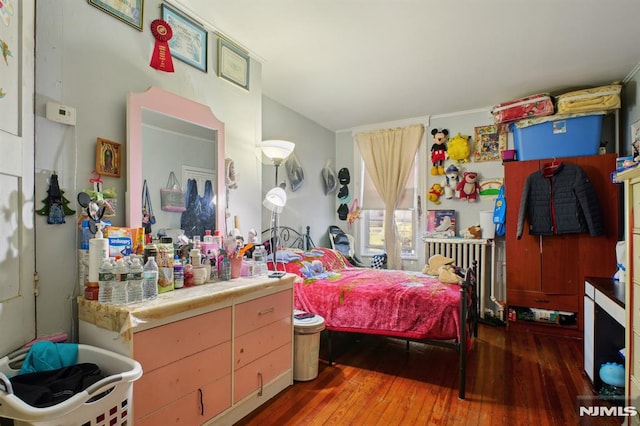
(106, 402)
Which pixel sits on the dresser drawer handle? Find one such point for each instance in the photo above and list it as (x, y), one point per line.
(267, 311)
(543, 300)
(261, 384)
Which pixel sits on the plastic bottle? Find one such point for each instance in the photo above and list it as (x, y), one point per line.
(195, 257)
(119, 295)
(134, 291)
(106, 280)
(85, 235)
(150, 279)
(260, 260)
(178, 273)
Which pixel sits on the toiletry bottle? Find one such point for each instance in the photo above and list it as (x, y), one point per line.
(178, 273)
(85, 235)
(150, 279)
(135, 288)
(106, 280)
(195, 257)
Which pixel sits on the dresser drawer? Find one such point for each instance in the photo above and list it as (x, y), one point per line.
(170, 383)
(194, 408)
(533, 299)
(260, 372)
(253, 345)
(166, 344)
(262, 311)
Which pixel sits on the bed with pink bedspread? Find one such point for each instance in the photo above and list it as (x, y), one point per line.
(402, 304)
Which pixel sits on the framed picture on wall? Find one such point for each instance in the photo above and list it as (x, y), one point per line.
(635, 140)
(189, 41)
(489, 143)
(233, 63)
(108, 158)
(130, 11)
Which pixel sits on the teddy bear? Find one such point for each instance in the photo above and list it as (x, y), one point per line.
(435, 192)
(458, 148)
(438, 151)
(450, 181)
(444, 268)
(468, 186)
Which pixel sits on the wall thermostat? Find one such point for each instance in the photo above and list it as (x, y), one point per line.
(61, 113)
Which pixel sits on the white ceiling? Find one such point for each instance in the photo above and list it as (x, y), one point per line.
(350, 63)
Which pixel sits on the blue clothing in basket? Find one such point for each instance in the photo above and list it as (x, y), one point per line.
(47, 356)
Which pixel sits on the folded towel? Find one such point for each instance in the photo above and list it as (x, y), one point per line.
(46, 356)
(284, 256)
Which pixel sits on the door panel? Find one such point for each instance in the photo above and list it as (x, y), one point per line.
(17, 248)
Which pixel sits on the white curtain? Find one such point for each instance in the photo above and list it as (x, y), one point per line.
(388, 156)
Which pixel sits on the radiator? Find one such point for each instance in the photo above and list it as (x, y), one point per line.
(464, 251)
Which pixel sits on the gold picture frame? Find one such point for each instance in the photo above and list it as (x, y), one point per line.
(108, 158)
(489, 142)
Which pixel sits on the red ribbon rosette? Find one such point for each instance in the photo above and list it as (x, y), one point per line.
(161, 58)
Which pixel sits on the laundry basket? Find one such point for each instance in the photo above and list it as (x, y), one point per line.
(105, 403)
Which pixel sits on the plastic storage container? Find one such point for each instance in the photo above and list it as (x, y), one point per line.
(564, 137)
(306, 346)
(107, 402)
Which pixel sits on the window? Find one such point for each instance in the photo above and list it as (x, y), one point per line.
(373, 231)
(372, 217)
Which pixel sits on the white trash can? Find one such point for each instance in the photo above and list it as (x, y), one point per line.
(306, 346)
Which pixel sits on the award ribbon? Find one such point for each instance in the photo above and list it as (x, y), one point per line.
(161, 58)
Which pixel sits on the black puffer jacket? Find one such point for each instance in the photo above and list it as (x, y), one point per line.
(562, 203)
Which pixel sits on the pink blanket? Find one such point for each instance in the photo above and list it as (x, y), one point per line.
(378, 301)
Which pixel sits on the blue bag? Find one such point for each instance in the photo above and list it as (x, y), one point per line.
(500, 213)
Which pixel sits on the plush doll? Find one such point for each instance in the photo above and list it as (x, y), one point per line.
(450, 181)
(473, 232)
(458, 148)
(435, 192)
(444, 268)
(438, 151)
(468, 187)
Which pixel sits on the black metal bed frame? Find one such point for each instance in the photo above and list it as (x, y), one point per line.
(469, 303)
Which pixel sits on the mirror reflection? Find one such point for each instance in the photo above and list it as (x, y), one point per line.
(169, 133)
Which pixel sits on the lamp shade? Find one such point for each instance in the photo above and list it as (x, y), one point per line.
(277, 150)
(275, 200)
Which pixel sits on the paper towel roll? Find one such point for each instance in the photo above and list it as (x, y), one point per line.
(98, 251)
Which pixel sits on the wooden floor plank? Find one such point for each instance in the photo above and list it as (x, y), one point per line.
(513, 377)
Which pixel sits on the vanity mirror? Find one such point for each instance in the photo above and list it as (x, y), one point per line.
(167, 132)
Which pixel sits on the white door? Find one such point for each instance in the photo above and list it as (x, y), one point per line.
(17, 251)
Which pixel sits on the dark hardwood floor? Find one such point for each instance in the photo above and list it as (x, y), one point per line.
(514, 378)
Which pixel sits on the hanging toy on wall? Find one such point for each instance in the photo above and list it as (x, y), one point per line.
(459, 149)
(56, 206)
(438, 151)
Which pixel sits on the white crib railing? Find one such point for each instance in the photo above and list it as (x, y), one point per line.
(464, 251)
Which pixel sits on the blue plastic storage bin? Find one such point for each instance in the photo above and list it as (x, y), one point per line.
(564, 137)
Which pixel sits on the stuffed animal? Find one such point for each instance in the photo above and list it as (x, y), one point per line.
(473, 232)
(438, 151)
(450, 181)
(458, 148)
(469, 187)
(435, 192)
(444, 268)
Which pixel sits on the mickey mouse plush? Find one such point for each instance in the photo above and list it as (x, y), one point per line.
(438, 151)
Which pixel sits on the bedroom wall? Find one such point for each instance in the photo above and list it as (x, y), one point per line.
(89, 60)
(308, 205)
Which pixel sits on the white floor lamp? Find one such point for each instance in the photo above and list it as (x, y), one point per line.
(276, 151)
(274, 201)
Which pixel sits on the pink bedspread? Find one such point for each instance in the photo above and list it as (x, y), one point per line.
(377, 301)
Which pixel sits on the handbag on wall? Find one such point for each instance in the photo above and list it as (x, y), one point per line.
(172, 197)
